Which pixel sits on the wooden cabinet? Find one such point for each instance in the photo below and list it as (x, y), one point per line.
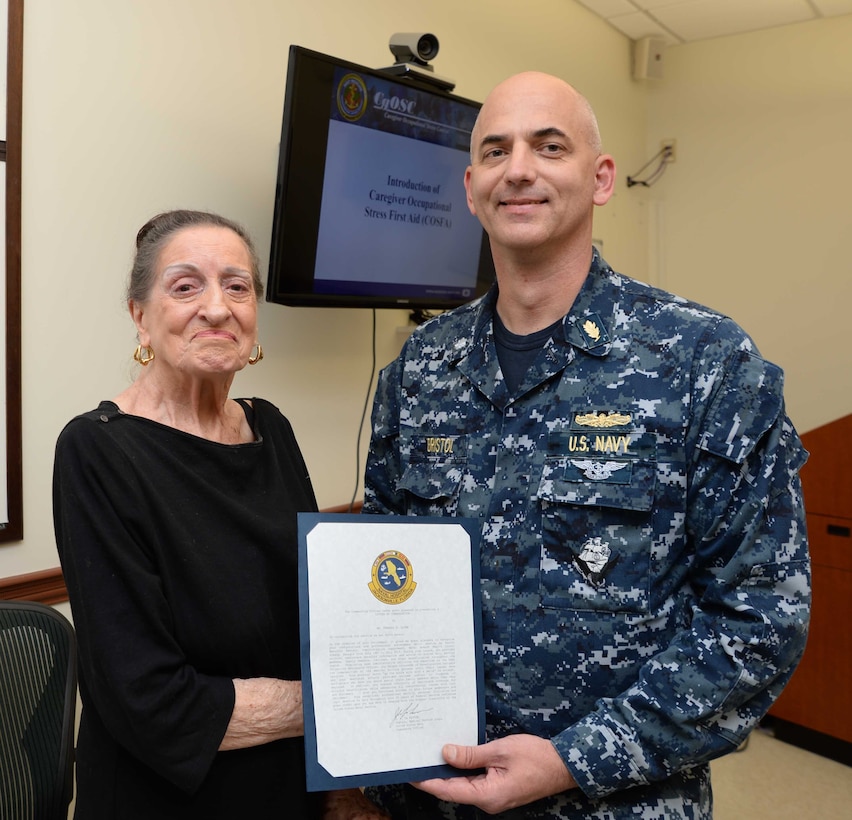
(818, 696)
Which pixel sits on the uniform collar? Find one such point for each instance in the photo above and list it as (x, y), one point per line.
(587, 326)
(585, 330)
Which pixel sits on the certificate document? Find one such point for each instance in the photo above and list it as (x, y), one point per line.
(391, 646)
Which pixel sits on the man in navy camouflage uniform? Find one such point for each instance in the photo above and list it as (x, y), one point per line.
(645, 575)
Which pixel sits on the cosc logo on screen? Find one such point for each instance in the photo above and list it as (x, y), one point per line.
(351, 97)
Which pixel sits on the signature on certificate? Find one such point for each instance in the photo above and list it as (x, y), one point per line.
(408, 714)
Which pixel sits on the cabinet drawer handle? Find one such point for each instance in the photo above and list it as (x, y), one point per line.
(835, 529)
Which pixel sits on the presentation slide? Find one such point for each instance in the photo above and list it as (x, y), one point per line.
(393, 198)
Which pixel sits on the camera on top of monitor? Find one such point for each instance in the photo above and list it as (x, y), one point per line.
(412, 52)
(414, 47)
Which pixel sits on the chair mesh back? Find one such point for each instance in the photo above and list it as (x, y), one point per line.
(37, 704)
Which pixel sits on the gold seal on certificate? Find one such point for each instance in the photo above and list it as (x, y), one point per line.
(393, 578)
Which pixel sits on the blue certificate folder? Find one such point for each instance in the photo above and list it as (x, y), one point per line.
(391, 646)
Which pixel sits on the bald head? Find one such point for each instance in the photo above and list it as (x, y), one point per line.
(548, 91)
(536, 173)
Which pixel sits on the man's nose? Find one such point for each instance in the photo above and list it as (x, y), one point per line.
(521, 166)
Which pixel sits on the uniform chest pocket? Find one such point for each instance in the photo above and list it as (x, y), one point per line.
(617, 471)
(596, 497)
(433, 475)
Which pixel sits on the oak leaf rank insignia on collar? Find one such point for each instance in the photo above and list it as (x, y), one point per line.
(593, 330)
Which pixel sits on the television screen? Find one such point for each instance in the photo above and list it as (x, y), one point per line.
(370, 207)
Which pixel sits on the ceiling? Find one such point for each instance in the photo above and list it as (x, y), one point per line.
(684, 21)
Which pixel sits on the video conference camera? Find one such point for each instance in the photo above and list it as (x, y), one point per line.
(419, 48)
(412, 52)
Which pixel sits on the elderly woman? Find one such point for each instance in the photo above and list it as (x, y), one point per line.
(175, 516)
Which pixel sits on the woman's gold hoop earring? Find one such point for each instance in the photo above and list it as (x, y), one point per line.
(256, 357)
(143, 355)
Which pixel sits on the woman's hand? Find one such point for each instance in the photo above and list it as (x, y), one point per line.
(265, 709)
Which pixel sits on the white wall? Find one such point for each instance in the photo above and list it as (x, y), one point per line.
(135, 106)
(755, 214)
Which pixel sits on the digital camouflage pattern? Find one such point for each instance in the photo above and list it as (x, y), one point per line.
(645, 574)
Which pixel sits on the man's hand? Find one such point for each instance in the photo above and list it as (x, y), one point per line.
(519, 769)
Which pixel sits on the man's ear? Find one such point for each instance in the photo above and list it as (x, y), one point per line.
(604, 179)
(470, 204)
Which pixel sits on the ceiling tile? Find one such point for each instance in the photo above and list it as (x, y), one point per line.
(680, 21)
(701, 19)
(650, 5)
(832, 8)
(639, 25)
(608, 8)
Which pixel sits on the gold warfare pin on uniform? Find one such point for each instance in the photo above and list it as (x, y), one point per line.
(603, 419)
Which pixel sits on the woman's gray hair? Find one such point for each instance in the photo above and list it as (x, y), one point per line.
(155, 234)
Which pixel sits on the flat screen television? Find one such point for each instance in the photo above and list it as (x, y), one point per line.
(370, 207)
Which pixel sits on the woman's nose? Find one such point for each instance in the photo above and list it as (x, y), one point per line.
(215, 304)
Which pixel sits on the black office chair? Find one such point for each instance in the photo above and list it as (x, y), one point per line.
(38, 699)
